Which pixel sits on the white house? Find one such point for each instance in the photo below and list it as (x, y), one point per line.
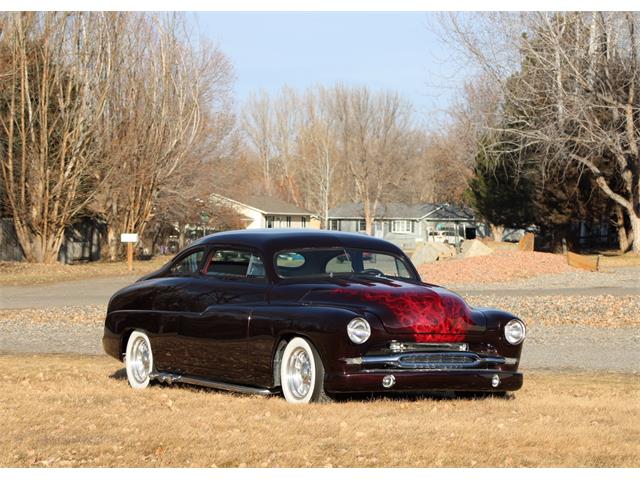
(268, 212)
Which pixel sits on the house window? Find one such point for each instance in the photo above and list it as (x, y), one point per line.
(334, 225)
(288, 222)
(402, 226)
(362, 226)
(303, 222)
(269, 222)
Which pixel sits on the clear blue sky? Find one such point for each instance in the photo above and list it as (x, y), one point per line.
(383, 50)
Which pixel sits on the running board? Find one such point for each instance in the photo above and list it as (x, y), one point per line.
(170, 378)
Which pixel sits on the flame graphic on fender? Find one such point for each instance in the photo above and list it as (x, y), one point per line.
(428, 315)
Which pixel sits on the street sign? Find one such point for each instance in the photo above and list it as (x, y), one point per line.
(129, 237)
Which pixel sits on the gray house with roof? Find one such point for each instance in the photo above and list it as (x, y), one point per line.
(407, 225)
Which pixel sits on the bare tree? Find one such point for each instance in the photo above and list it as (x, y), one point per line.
(169, 87)
(329, 145)
(573, 93)
(55, 74)
(373, 133)
(319, 151)
(258, 126)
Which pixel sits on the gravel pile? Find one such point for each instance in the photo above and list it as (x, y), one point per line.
(601, 311)
(501, 266)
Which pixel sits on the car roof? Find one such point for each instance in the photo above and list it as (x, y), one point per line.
(272, 240)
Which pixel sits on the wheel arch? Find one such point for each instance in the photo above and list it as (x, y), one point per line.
(280, 345)
(126, 334)
(124, 339)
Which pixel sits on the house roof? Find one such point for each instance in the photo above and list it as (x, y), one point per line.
(267, 205)
(447, 211)
(390, 211)
(271, 240)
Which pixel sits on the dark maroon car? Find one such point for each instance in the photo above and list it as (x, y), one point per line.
(309, 313)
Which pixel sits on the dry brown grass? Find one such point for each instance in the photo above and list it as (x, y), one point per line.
(71, 411)
(23, 273)
(615, 260)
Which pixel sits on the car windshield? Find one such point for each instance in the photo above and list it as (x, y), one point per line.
(323, 262)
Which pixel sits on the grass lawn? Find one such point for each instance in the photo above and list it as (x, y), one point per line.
(23, 273)
(79, 411)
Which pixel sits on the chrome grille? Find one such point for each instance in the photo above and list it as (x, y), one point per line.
(437, 359)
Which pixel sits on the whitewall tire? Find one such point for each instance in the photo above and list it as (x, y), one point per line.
(139, 360)
(302, 373)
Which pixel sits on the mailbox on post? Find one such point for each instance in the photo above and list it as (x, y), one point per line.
(130, 239)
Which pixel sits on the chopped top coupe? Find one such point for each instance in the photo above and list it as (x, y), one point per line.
(309, 313)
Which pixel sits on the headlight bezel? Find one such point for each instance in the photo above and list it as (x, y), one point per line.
(358, 330)
(508, 332)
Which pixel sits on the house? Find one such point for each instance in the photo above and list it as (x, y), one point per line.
(407, 225)
(259, 211)
(82, 241)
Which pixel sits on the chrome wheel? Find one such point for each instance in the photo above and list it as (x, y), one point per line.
(302, 372)
(141, 361)
(299, 373)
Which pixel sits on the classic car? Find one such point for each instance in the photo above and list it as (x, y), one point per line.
(308, 313)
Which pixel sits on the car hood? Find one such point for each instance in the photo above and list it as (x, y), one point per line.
(427, 311)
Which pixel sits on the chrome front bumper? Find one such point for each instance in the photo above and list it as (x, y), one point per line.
(429, 361)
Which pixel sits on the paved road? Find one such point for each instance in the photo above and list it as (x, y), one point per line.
(617, 282)
(96, 291)
(534, 292)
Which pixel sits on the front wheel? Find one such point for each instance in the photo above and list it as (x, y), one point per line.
(139, 360)
(302, 373)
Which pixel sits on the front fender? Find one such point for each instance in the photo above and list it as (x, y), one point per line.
(324, 326)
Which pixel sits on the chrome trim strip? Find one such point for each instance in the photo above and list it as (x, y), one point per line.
(170, 378)
(430, 360)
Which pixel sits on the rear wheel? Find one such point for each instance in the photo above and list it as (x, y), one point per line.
(302, 373)
(139, 360)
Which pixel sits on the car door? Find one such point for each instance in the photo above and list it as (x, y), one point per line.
(173, 297)
(226, 290)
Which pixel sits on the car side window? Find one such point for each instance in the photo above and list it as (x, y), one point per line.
(187, 265)
(229, 262)
(339, 264)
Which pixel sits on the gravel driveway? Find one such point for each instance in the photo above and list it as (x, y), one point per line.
(557, 347)
(95, 291)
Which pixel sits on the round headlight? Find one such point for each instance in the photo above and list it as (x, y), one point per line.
(358, 330)
(514, 331)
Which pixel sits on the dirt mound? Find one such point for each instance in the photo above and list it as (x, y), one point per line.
(475, 248)
(430, 252)
(499, 267)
